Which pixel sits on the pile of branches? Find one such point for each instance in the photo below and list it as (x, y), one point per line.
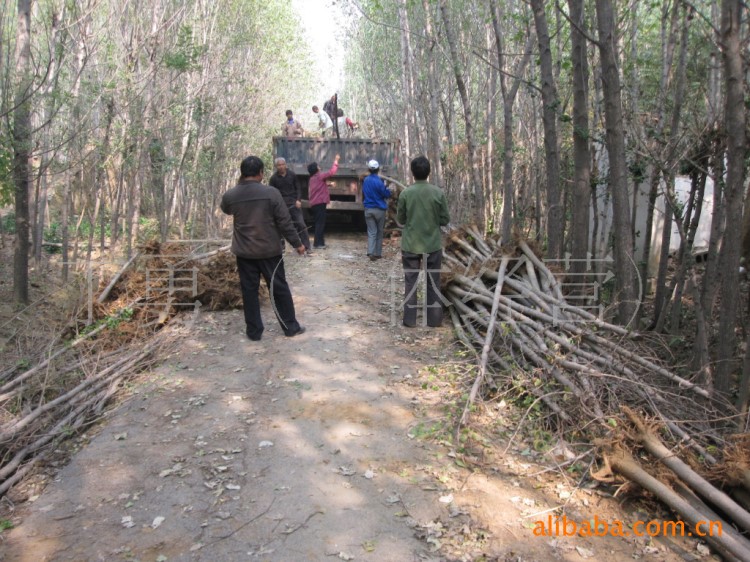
(68, 386)
(42, 406)
(593, 376)
(164, 279)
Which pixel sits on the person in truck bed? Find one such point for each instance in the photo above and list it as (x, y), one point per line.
(291, 127)
(324, 121)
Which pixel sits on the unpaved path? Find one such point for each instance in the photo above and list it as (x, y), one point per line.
(295, 449)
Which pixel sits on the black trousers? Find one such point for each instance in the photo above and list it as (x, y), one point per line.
(319, 217)
(272, 271)
(299, 224)
(434, 307)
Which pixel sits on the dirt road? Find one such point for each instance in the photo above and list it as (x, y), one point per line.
(297, 449)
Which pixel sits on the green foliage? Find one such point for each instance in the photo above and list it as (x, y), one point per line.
(148, 228)
(186, 54)
(427, 430)
(53, 233)
(7, 187)
(84, 230)
(122, 316)
(9, 223)
(112, 321)
(6, 524)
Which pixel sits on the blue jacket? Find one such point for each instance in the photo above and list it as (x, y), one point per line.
(375, 192)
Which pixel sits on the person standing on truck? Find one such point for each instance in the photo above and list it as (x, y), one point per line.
(291, 127)
(375, 195)
(260, 219)
(324, 121)
(422, 210)
(286, 182)
(330, 106)
(319, 197)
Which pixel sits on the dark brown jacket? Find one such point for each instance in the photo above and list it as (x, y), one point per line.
(261, 218)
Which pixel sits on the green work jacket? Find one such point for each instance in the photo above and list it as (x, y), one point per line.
(422, 209)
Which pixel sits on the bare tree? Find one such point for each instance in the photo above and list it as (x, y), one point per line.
(22, 151)
(735, 126)
(435, 138)
(579, 227)
(509, 93)
(550, 105)
(407, 74)
(478, 205)
(618, 180)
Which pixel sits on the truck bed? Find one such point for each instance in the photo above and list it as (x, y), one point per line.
(355, 153)
(346, 185)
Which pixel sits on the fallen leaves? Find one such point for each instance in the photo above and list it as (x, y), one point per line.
(178, 469)
(345, 471)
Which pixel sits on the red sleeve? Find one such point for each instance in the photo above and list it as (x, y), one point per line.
(325, 175)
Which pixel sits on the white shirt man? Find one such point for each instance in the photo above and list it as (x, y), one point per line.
(324, 121)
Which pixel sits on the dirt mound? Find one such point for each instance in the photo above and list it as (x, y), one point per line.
(165, 279)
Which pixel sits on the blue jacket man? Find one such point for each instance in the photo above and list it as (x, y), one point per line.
(376, 196)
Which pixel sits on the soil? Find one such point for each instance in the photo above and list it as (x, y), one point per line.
(335, 444)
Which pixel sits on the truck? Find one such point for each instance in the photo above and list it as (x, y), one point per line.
(346, 204)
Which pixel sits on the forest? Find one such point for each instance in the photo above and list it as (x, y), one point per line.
(560, 122)
(569, 124)
(541, 115)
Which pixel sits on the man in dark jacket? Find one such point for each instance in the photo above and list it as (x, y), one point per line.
(260, 220)
(286, 182)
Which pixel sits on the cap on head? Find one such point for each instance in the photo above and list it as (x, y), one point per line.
(373, 165)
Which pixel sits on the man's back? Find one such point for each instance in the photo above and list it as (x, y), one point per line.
(422, 209)
(261, 218)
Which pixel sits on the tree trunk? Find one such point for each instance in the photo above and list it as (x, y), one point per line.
(22, 152)
(406, 73)
(64, 228)
(436, 143)
(579, 228)
(668, 162)
(734, 122)
(627, 292)
(489, 156)
(476, 188)
(743, 397)
(48, 152)
(157, 162)
(685, 260)
(509, 97)
(711, 277)
(668, 33)
(550, 103)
